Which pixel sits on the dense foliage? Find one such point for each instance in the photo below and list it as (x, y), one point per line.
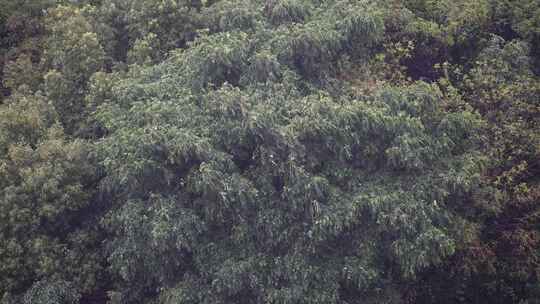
(269, 151)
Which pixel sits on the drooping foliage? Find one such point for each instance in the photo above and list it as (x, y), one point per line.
(250, 173)
(244, 181)
(269, 151)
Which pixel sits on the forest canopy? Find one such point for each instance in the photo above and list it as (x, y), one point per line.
(269, 151)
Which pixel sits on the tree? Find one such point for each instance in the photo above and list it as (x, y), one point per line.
(72, 55)
(238, 175)
(21, 34)
(502, 264)
(269, 151)
(47, 185)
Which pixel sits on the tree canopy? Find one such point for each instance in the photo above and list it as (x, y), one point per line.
(269, 151)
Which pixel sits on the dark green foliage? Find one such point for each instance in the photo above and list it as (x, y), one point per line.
(134, 30)
(502, 265)
(269, 151)
(267, 189)
(520, 19)
(21, 30)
